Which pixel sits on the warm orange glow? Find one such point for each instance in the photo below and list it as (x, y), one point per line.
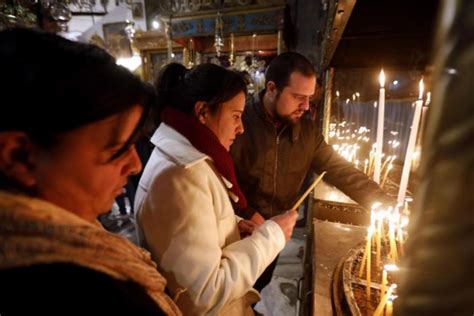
(382, 79)
(421, 87)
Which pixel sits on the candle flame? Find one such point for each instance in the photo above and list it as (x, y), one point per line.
(391, 267)
(382, 79)
(421, 87)
(428, 98)
(376, 205)
(404, 221)
(370, 231)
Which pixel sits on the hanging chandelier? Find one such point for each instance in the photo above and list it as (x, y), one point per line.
(59, 12)
(38, 12)
(218, 37)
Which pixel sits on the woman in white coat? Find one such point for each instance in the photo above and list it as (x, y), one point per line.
(185, 215)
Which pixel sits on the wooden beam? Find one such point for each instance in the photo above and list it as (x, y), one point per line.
(339, 14)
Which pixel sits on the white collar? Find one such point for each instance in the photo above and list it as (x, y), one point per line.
(177, 147)
(180, 150)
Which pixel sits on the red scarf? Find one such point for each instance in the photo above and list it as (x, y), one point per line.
(204, 140)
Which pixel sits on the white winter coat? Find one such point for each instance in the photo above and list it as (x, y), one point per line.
(186, 220)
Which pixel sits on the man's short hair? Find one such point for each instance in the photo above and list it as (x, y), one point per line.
(281, 68)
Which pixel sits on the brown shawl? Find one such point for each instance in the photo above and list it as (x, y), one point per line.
(33, 231)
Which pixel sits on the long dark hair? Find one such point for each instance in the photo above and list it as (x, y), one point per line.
(181, 88)
(51, 85)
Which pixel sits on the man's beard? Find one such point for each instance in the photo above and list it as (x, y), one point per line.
(283, 119)
(286, 119)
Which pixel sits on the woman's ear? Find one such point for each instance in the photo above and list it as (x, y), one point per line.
(16, 151)
(200, 111)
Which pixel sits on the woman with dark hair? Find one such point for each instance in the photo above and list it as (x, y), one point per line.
(70, 117)
(184, 210)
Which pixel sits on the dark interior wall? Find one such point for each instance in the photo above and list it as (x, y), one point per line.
(308, 19)
(396, 34)
(304, 27)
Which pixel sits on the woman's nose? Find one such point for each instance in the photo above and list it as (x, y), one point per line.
(240, 128)
(135, 164)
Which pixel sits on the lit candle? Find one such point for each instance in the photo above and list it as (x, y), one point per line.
(386, 269)
(383, 300)
(366, 251)
(400, 241)
(383, 286)
(378, 238)
(365, 165)
(400, 234)
(371, 159)
(369, 255)
(384, 179)
(382, 227)
(385, 163)
(362, 262)
(411, 146)
(380, 121)
(393, 245)
(406, 209)
(389, 307)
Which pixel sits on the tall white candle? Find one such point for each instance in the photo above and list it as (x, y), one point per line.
(380, 121)
(411, 146)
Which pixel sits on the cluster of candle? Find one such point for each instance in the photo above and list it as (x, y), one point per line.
(386, 232)
(347, 142)
(387, 164)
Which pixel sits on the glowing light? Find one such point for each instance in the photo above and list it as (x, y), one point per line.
(428, 98)
(421, 87)
(155, 24)
(382, 79)
(131, 63)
